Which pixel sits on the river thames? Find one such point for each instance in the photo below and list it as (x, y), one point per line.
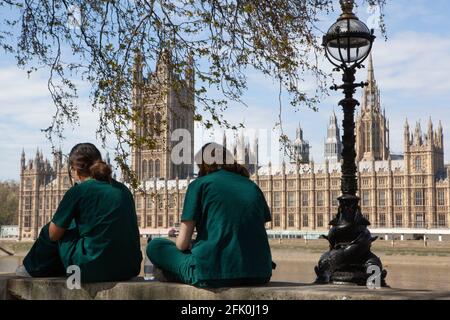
(410, 265)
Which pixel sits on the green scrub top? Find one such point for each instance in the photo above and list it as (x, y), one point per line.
(230, 212)
(103, 234)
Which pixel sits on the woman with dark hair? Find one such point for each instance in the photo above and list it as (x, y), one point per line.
(94, 228)
(229, 212)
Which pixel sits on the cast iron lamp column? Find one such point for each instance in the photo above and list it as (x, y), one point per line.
(347, 44)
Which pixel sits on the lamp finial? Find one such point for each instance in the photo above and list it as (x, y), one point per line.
(347, 9)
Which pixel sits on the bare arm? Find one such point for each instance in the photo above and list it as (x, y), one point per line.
(54, 232)
(185, 236)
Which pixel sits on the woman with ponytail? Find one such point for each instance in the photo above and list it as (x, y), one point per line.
(95, 226)
(229, 212)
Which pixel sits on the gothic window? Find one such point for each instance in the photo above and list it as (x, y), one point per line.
(441, 197)
(171, 220)
(398, 220)
(66, 182)
(382, 219)
(291, 199)
(367, 139)
(291, 184)
(151, 174)
(398, 195)
(320, 199)
(276, 199)
(276, 221)
(160, 220)
(418, 198)
(305, 199)
(365, 198)
(320, 220)
(144, 169)
(382, 198)
(305, 220)
(157, 168)
(420, 220)
(334, 200)
(27, 203)
(418, 163)
(291, 222)
(376, 147)
(27, 221)
(28, 183)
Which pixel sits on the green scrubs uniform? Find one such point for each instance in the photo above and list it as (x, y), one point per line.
(102, 235)
(231, 247)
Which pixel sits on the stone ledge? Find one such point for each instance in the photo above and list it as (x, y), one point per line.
(12, 287)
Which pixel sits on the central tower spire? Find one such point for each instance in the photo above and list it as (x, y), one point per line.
(333, 144)
(372, 129)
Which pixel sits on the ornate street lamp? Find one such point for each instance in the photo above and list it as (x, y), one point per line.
(347, 44)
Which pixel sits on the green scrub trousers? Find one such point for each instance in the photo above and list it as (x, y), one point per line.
(43, 259)
(179, 266)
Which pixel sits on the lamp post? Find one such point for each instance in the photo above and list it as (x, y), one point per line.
(347, 44)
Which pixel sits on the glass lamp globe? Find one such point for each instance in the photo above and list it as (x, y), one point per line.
(349, 40)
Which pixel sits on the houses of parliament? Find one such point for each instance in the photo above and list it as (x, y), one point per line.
(411, 190)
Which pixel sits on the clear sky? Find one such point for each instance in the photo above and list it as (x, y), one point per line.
(412, 69)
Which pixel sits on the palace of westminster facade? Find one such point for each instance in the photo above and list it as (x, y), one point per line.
(397, 191)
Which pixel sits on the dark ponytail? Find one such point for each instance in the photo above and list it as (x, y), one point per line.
(86, 159)
(101, 171)
(205, 168)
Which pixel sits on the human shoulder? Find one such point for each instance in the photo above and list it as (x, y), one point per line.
(254, 186)
(76, 189)
(197, 182)
(120, 186)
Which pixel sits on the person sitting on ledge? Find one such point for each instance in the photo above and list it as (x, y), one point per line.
(95, 226)
(229, 212)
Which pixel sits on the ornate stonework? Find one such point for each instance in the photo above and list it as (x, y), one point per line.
(333, 144)
(163, 110)
(412, 191)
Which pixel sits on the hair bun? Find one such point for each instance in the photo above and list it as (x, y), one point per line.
(100, 170)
